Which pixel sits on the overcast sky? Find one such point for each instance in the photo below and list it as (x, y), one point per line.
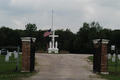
(69, 14)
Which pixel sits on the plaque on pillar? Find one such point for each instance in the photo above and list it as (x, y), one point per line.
(112, 47)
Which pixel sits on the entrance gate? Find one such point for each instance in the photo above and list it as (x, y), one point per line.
(97, 57)
(32, 56)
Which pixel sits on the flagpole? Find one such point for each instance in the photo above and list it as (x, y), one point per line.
(52, 21)
(52, 31)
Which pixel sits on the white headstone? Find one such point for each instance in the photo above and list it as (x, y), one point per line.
(109, 55)
(0, 52)
(9, 54)
(15, 54)
(6, 58)
(119, 56)
(114, 55)
(113, 59)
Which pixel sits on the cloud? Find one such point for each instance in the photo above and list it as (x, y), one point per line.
(69, 14)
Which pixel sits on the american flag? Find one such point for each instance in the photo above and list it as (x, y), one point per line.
(47, 33)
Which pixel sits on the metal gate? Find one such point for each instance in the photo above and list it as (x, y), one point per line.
(113, 60)
(97, 57)
(32, 56)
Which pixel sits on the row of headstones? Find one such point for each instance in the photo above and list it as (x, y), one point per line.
(113, 57)
(9, 55)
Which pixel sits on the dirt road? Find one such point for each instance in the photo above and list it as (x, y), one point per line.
(63, 67)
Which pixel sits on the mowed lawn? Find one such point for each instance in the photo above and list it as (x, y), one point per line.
(8, 69)
(113, 74)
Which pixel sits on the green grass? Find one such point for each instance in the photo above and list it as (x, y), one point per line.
(7, 69)
(111, 69)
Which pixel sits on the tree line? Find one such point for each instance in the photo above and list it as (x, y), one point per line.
(80, 42)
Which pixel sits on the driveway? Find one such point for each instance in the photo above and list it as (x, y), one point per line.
(63, 67)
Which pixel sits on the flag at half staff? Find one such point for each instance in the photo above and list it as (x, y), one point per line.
(47, 33)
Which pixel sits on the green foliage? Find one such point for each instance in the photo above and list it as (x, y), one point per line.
(65, 39)
(7, 69)
(30, 29)
(81, 42)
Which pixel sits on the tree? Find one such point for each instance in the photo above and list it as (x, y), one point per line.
(83, 42)
(30, 29)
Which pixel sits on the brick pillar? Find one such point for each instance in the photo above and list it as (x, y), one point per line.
(103, 66)
(26, 48)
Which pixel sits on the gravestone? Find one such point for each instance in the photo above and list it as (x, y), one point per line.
(15, 54)
(109, 55)
(119, 56)
(114, 55)
(113, 59)
(7, 58)
(9, 54)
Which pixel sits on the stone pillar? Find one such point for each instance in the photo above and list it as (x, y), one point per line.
(26, 48)
(103, 66)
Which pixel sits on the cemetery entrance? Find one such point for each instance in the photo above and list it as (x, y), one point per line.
(9, 59)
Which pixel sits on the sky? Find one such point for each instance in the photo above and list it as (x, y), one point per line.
(69, 14)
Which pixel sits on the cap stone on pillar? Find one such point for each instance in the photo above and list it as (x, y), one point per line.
(104, 41)
(28, 39)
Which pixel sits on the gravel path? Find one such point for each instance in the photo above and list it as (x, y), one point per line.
(63, 67)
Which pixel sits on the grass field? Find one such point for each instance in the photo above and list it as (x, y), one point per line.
(7, 69)
(113, 75)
